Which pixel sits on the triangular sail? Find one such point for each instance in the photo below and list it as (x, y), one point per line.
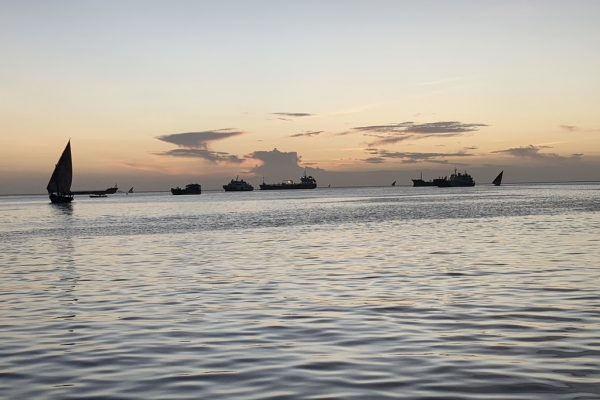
(498, 179)
(62, 177)
(130, 190)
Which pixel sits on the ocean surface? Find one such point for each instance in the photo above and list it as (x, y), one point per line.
(363, 293)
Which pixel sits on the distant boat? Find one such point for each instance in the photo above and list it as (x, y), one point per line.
(394, 183)
(59, 186)
(238, 185)
(457, 179)
(95, 196)
(192, 188)
(129, 191)
(109, 190)
(498, 180)
(420, 182)
(306, 182)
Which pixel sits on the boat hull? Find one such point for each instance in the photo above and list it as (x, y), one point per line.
(236, 189)
(60, 199)
(178, 192)
(292, 186)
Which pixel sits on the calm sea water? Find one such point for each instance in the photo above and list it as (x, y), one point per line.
(372, 293)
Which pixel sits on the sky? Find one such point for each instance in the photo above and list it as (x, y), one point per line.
(157, 94)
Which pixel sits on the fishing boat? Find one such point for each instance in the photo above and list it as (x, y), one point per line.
(95, 196)
(306, 182)
(394, 183)
(192, 188)
(130, 190)
(59, 186)
(498, 180)
(457, 179)
(238, 185)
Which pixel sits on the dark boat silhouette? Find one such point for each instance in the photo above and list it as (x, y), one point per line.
(59, 186)
(238, 185)
(306, 182)
(192, 188)
(498, 180)
(420, 182)
(457, 179)
(110, 190)
(394, 183)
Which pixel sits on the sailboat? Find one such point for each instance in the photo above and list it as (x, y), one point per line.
(498, 179)
(129, 191)
(59, 186)
(394, 183)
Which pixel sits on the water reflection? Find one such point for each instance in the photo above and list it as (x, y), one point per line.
(62, 208)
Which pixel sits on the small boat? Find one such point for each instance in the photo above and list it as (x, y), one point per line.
(498, 180)
(238, 185)
(306, 182)
(59, 186)
(111, 190)
(192, 188)
(95, 196)
(457, 179)
(394, 183)
(130, 191)
(420, 182)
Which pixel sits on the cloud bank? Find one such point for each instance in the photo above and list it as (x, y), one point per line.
(196, 145)
(293, 114)
(397, 132)
(306, 134)
(533, 152)
(381, 155)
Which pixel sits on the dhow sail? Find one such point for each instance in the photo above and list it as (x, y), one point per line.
(498, 179)
(59, 186)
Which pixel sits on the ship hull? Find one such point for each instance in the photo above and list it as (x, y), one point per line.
(59, 199)
(292, 186)
(178, 192)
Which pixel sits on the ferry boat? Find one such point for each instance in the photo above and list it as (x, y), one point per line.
(457, 179)
(192, 188)
(306, 182)
(238, 185)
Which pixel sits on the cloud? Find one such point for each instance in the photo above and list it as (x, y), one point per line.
(279, 165)
(410, 157)
(287, 115)
(196, 145)
(198, 139)
(212, 156)
(533, 152)
(569, 128)
(397, 132)
(307, 134)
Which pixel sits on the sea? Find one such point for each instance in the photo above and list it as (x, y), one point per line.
(333, 293)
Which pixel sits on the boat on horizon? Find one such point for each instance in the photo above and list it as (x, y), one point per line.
(95, 196)
(130, 191)
(498, 180)
(421, 183)
(109, 190)
(306, 182)
(59, 186)
(191, 188)
(457, 179)
(238, 185)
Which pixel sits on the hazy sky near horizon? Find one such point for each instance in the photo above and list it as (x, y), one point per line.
(164, 91)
